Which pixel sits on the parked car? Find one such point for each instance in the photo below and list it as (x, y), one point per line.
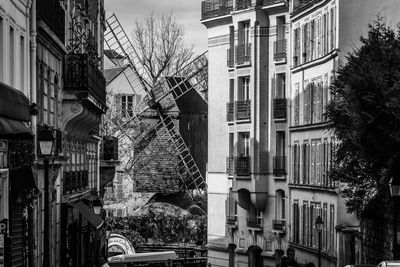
(389, 264)
(361, 265)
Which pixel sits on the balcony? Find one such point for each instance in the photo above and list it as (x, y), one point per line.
(279, 107)
(242, 166)
(280, 48)
(84, 78)
(243, 110)
(279, 165)
(255, 223)
(242, 4)
(213, 9)
(279, 226)
(230, 58)
(230, 111)
(53, 15)
(230, 165)
(75, 181)
(231, 221)
(243, 54)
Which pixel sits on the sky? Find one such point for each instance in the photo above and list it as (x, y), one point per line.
(186, 12)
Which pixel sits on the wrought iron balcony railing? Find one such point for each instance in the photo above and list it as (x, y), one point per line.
(242, 166)
(280, 48)
(243, 53)
(230, 165)
(83, 76)
(51, 13)
(242, 4)
(75, 181)
(212, 9)
(230, 58)
(231, 219)
(109, 148)
(243, 110)
(279, 225)
(255, 222)
(279, 108)
(230, 111)
(279, 165)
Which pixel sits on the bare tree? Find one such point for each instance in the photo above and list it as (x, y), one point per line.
(158, 41)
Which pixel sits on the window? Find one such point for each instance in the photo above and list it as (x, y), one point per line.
(307, 109)
(313, 40)
(11, 54)
(296, 48)
(127, 105)
(324, 231)
(231, 90)
(231, 206)
(244, 32)
(296, 105)
(305, 42)
(280, 28)
(324, 34)
(332, 228)
(333, 28)
(317, 92)
(296, 222)
(22, 62)
(231, 144)
(306, 162)
(244, 144)
(280, 85)
(296, 163)
(280, 205)
(304, 234)
(244, 89)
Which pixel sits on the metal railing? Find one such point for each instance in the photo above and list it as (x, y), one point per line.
(279, 225)
(230, 111)
(243, 53)
(279, 167)
(230, 165)
(242, 4)
(243, 110)
(279, 108)
(255, 222)
(231, 219)
(230, 57)
(82, 75)
(242, 166)
(212, 9)
(280, 48)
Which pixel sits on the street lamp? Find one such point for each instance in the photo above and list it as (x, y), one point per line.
(46, 141)
(97, 205)
(319, 224)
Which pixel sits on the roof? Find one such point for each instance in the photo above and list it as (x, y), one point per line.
(111, 74)
(111, 54)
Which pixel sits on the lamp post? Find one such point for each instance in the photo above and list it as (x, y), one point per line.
(97, 205)
(108, 234)
(319, 224)
(46, 140)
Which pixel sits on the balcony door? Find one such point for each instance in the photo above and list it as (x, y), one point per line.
(280, 28)
(244, 88)
(244, 144)
(280, 144)
(280, 85)
(244, 32)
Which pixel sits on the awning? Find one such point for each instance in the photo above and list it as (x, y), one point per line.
(13, 104)
(14, 129)
(23, 179)
(88, 213)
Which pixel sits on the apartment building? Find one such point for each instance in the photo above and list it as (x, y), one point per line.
(322, 33)
(248, 122)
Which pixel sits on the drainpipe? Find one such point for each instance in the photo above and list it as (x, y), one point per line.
(32, 81)
(33, 47)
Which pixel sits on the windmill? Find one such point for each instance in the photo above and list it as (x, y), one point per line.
(159, 99)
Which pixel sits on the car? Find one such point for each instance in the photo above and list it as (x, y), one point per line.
(361, 265)
(389, 264)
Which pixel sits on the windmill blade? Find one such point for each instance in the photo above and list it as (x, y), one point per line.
(119, 44)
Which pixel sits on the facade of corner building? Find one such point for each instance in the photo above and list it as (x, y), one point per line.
(247, 166)
(322, 33)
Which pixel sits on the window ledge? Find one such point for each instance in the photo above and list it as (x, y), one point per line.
(302, 127)
(313, 187)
